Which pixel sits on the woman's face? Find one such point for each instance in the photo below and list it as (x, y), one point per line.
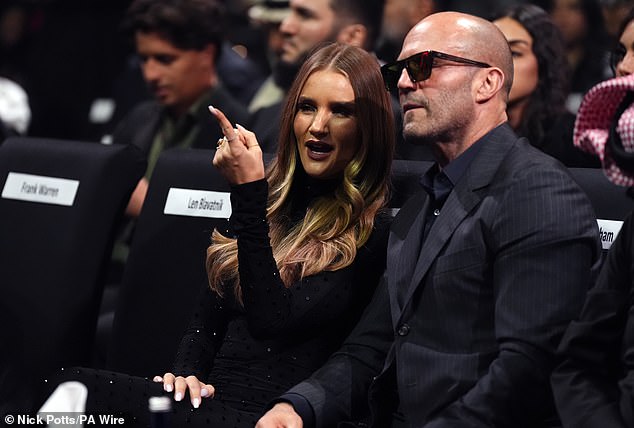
(525, 66)
(568, 16)
(625, 52)
(325, 124)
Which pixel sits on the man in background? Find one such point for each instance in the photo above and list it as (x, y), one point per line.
(178, 43)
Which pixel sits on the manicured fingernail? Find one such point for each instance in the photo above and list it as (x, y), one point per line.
(178, 396)
(196, 402)
(204, 392)
(212, 109)
(167, 387)
(157, 379)
(240, 127)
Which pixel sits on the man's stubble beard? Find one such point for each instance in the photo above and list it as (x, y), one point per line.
(284, 72)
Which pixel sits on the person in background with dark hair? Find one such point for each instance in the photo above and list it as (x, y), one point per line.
(537, 102)
(307, 250)
(309, 24)
(622, 58)
(586, 43)
(178, 43)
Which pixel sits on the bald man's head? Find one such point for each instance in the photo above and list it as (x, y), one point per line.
(463, 35)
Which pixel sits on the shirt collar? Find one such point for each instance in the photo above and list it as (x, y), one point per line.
(438, 182)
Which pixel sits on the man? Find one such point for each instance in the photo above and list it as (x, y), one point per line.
(486, 266)
(309, 24)
(178, 43)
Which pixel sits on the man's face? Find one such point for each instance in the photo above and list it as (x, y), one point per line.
(176, 77)
(309, 23)
(437, 109)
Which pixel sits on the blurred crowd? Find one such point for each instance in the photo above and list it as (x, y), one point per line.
(69, 72)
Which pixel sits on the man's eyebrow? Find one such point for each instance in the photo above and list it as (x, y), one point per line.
(304, 12)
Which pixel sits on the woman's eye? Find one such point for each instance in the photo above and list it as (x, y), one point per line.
(343, 111)
(305, 107)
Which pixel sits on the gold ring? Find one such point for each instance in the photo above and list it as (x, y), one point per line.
(221, 141)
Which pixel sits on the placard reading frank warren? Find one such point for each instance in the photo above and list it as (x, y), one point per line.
(197, 203)
(41, 189)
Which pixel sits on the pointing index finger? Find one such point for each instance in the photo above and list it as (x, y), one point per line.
(225, 125)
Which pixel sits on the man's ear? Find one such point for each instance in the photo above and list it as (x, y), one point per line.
(353, 34)
(488, 84)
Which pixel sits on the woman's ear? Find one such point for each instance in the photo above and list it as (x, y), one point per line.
(488, 84)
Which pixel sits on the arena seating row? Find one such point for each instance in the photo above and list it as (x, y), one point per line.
(60, 208)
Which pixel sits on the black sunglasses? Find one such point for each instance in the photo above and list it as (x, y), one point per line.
(419, 67)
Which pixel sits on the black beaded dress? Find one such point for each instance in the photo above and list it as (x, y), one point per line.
(252, 353)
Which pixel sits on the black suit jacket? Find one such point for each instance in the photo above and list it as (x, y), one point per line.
(465, 324)
(139, 127)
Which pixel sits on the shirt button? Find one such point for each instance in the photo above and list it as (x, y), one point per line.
(436, 212)
(403, 330)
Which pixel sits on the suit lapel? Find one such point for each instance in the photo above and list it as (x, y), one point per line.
(465, 196)
(405, 242)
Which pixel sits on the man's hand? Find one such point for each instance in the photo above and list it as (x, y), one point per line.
(282, 415)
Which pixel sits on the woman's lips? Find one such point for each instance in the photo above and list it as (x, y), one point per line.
(318, 150)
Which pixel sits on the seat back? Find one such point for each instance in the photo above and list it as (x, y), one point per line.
(60, 205)
(187, 198)
(611, 202)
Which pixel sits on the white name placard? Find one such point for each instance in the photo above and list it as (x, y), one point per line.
(41, 189)
(608, 230)
(197, 203)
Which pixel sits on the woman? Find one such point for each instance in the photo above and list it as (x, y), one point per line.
(586, 43)
(536, 106)
(594, 384)
(277, 307)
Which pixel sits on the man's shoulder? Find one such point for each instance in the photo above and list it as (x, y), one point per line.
(137, 123)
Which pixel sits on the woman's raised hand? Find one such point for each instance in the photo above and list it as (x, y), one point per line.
(238, 155)
(180, 385)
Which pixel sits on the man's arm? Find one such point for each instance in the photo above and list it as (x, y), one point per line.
(338, 391)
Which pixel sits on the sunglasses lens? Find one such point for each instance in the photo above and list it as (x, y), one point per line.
(391, 73)
(417, 67)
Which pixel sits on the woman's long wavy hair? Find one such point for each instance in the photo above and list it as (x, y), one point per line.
(337, 224)
(549, 98)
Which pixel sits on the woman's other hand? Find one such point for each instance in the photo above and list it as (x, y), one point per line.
(238, 155)
(179, 385)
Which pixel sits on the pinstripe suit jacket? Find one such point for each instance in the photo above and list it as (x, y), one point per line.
(465, 324)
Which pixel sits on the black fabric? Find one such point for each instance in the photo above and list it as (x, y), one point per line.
(52, 257)
(610, 202)
(623, 158)
(405, 180)
(594, 384)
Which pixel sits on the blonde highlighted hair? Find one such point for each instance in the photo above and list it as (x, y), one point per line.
(337, 224)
